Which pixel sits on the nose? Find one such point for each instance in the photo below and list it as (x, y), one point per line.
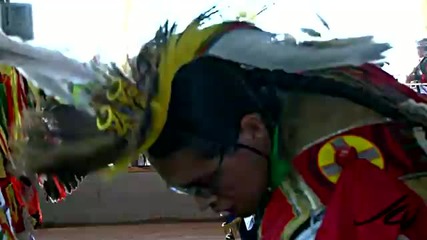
(205, 202)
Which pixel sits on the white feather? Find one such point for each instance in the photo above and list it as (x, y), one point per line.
(51, 70)
(260, 49)
(44, 82)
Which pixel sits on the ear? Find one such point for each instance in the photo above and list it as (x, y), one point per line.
(254, 133)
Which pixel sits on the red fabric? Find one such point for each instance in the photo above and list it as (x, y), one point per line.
(400, 150)
(369, 205)
(34, 203)
(61, 188)
(18, 188)
(277, 215)
(388, 83)
(362, 190)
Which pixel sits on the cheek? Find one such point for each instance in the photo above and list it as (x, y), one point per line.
(246, 175)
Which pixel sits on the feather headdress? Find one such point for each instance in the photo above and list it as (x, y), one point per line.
(132, 111)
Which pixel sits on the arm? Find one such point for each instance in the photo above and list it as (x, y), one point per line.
(411, 76)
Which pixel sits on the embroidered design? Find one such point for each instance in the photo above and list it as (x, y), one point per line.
(326, 156)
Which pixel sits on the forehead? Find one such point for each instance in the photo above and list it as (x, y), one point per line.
(183, 167)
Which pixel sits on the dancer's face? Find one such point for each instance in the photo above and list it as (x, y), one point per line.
(229, 183)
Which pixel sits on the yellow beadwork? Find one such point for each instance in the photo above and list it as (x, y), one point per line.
(110, 119)
(168, 52)
(178, 51)
(126, 94)
(142, 102)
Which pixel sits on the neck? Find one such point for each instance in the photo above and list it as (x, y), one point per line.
(308, 118)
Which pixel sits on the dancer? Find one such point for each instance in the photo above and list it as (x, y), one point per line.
(419, 71)
(18, 197)
(418, 75)
(310, 137)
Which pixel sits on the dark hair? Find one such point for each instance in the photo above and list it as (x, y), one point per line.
(210, 96)
(208, 100)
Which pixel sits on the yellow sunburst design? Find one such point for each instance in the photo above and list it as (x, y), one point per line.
(326, 157)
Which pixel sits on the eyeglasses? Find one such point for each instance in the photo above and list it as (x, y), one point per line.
(212, 188)
(202, 191)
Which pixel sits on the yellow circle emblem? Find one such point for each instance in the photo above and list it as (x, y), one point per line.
(365, 150)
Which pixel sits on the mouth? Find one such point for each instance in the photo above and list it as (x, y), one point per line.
(226, 212)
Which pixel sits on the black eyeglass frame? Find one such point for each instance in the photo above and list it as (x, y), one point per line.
(212, 189)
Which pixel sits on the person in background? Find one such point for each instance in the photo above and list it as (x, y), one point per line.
(418, 75)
